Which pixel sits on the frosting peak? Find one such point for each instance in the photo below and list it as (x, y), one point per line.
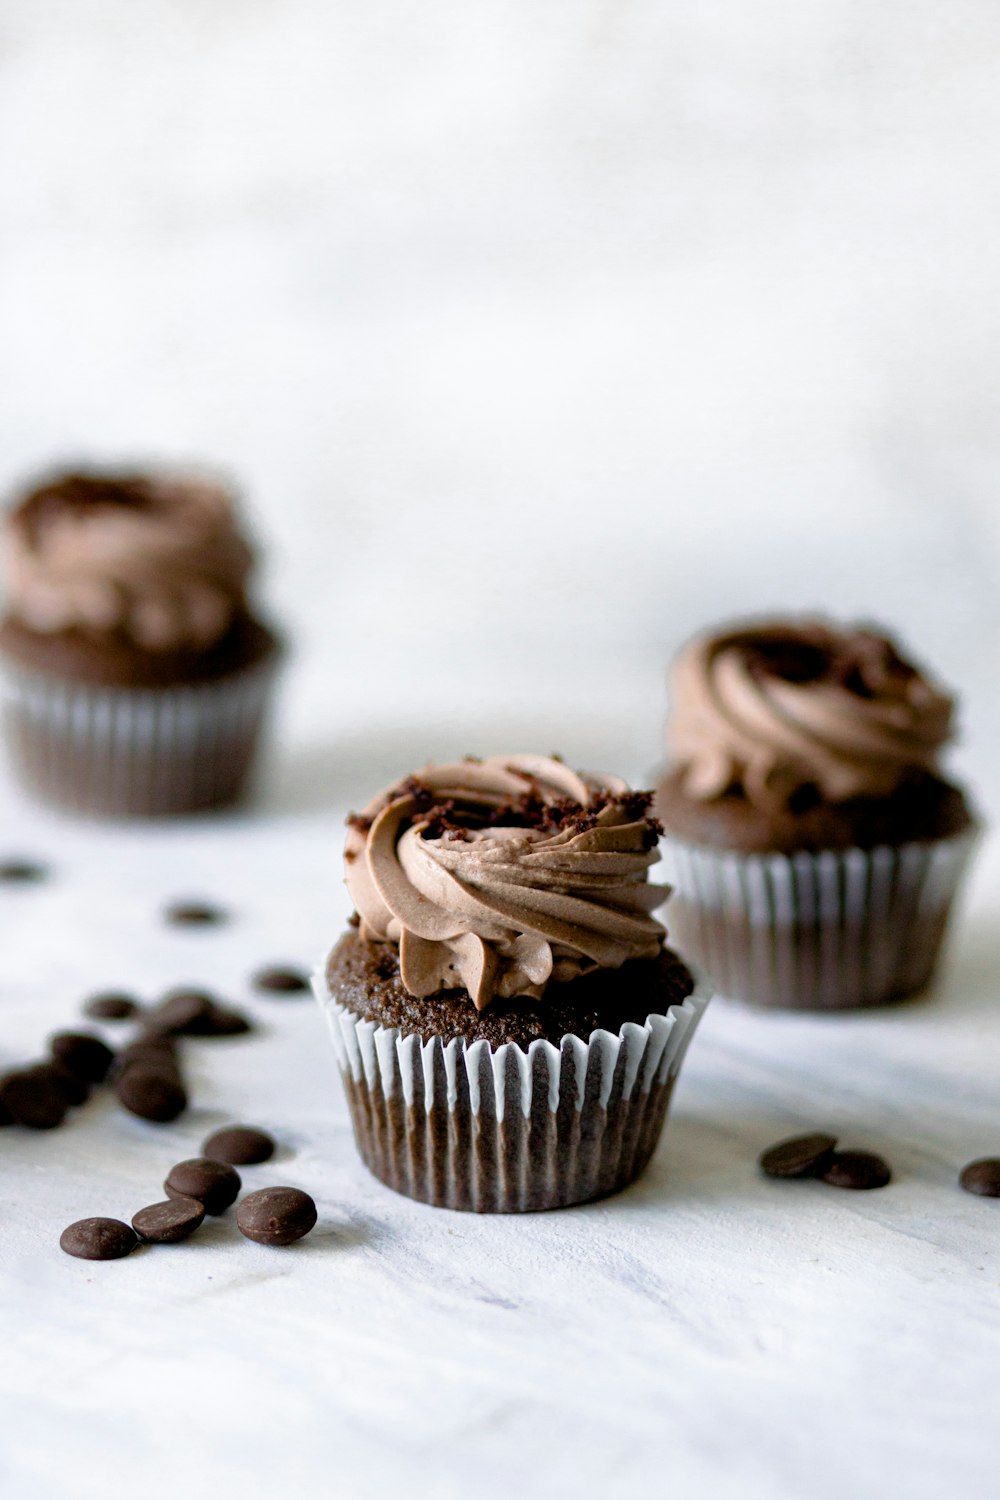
(158, 560)
(504, 874)
(774, 708)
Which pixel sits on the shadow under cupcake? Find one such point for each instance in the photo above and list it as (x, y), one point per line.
(508, 1022)
(135, 675)
(815, 847)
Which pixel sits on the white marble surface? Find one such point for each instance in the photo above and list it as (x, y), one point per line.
(540, 335)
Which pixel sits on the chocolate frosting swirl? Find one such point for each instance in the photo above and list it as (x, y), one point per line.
(505, 874)
(159, 561)
(773, 708)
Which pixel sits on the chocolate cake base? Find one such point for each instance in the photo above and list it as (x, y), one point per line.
(507, 1126)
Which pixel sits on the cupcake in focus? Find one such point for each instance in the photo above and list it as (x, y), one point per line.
(507, 1018)
(815, 844)
(135, 674)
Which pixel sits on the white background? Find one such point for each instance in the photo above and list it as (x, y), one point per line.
(537, 335)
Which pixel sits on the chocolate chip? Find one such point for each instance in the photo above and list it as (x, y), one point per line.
(280, 981)
(860, 1170)
(35, 1097)
(190, 1012)
(276, 1215)
(166, 1223)
(181, 1012)
(194, 914)
(212, 1182)
(151, 1093)
(21, 872)
(98, 1239)
(6, 1118)
(76, 1089)
(240, 1145)
(150, 1049)
(982, 1177)
(110, 1005)
(83, 1054)
(799, 1156)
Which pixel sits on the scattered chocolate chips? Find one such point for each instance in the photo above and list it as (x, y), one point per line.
(239, 1145)
(194, 914)
(213, 1183)
(110, 1005)
(281, 981)
(168, 1222)
(21, 872)
(82, 1054)
(858, 1170)
(800, 1156)
(276, 1215)
(35, 1097)
(982, 1177)
(98, 1239)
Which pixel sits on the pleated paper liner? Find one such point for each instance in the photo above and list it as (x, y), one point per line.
(135, 752)
(826, 931)
(509, 1131)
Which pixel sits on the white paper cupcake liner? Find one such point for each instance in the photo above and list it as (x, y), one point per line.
(508, 1131)
(827, 931)
(135, 752)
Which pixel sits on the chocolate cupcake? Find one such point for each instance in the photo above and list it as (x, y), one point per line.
(135, 674)
(508, 1021)
(814, 843)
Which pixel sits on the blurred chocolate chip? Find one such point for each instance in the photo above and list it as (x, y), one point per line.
(110, 1005)
(189, 1012)
(860, 1170)
(98, 1239)
(212, 1183)
(239, 1145)
(194, 914)
(982, 1177)
(35, 1097)
(799, 1156)
(166, 1223)
(83, 1054)
(276, 1215)
(151, 1093)
(281, 981)
(76, 1089)
(150, 1048)
(6, 1118)
(21, 872)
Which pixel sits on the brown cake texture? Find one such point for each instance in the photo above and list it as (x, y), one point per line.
(365, 978)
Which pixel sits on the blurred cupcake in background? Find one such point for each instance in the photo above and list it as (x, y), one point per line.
(814, 843)
(135, 674)
(508, 1020)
